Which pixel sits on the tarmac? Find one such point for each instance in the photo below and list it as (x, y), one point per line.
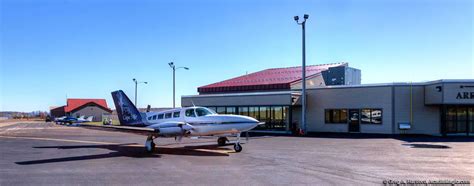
(50, 154)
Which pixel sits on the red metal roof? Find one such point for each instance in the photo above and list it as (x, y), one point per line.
(269, 79)
(73, 104)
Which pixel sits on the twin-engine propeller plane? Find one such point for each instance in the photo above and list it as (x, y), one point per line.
(178, 123)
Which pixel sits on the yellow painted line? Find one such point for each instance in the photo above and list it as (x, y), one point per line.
(218, 151)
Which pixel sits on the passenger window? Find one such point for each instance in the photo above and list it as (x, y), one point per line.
(168, 115)
(190, 113)
(160, 116)
(176, 115)
(154, 117)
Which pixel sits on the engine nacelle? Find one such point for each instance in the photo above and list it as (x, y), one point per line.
(171, 131)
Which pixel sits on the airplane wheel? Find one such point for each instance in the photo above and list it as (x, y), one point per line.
(149, 146)
(237, 147)
(222, 141)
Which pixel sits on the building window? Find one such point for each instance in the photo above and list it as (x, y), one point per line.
(253, 112)
(230, 110)
(160, 116)
(244, 111)
(371, 116)
(264, 114)
(335, 115)
(220, 110)
(471, 120)
(175, 114)
(168, 115)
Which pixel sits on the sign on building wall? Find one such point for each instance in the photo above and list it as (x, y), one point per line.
(450, 93)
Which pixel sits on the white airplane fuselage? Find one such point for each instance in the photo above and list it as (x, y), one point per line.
(198, 121)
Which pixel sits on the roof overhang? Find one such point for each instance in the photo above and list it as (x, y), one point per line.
(279, 98)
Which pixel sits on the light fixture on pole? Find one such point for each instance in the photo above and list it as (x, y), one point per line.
(171, 64)
(303, 76)
(136, 83)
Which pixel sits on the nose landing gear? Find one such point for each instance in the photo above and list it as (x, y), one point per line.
(237, 146)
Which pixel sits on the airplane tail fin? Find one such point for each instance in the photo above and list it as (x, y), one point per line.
(127, 113)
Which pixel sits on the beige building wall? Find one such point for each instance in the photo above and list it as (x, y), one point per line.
(433, 95)
(424, 119)
(311, 82)
(346, 98)
(87, 111)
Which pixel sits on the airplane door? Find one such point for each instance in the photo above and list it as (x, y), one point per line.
(354, 120)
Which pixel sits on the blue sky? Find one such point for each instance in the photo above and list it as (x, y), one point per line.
(53, 49)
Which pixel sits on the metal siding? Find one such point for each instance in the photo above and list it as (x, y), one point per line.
(426, 119)
(95, 111)
(355, 98)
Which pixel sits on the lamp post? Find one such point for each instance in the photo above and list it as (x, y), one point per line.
(136, 83)
(171, 64)
(303, 76)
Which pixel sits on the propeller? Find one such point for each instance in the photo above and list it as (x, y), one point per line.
(186, 128)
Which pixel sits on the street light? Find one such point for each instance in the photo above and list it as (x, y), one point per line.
(136, 83)
(171, 64)
(303, 100)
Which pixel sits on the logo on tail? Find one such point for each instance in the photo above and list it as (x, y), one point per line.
(127, 113)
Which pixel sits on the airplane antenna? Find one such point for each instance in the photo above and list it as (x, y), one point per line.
(193, 103)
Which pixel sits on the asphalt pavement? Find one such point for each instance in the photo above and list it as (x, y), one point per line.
(50, 154)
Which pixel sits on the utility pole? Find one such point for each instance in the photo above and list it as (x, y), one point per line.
(303, 76)
(136, 84)
(174, 68)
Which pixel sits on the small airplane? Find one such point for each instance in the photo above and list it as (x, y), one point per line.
(178, 123)
(71, 120)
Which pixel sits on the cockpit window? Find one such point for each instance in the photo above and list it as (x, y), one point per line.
(203, 112)
(190, 113)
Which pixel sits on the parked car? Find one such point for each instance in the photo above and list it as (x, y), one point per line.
(47, 119)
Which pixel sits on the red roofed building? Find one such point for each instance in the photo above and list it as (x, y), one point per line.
(271, 95)
(83, 107)
(276, 79)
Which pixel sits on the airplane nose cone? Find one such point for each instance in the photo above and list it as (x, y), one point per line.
(252, 119)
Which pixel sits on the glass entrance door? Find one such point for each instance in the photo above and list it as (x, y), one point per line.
(459, 120)
(354, 120)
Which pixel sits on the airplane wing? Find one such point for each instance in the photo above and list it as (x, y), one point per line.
(127, 129)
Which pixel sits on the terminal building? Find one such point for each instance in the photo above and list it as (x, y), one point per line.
(338, 102)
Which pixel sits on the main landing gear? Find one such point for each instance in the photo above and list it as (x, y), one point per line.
(221, 141)
(150, 145)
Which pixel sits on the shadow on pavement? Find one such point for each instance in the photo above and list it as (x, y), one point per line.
(429, 146)
(406, 138)
(129, 150)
